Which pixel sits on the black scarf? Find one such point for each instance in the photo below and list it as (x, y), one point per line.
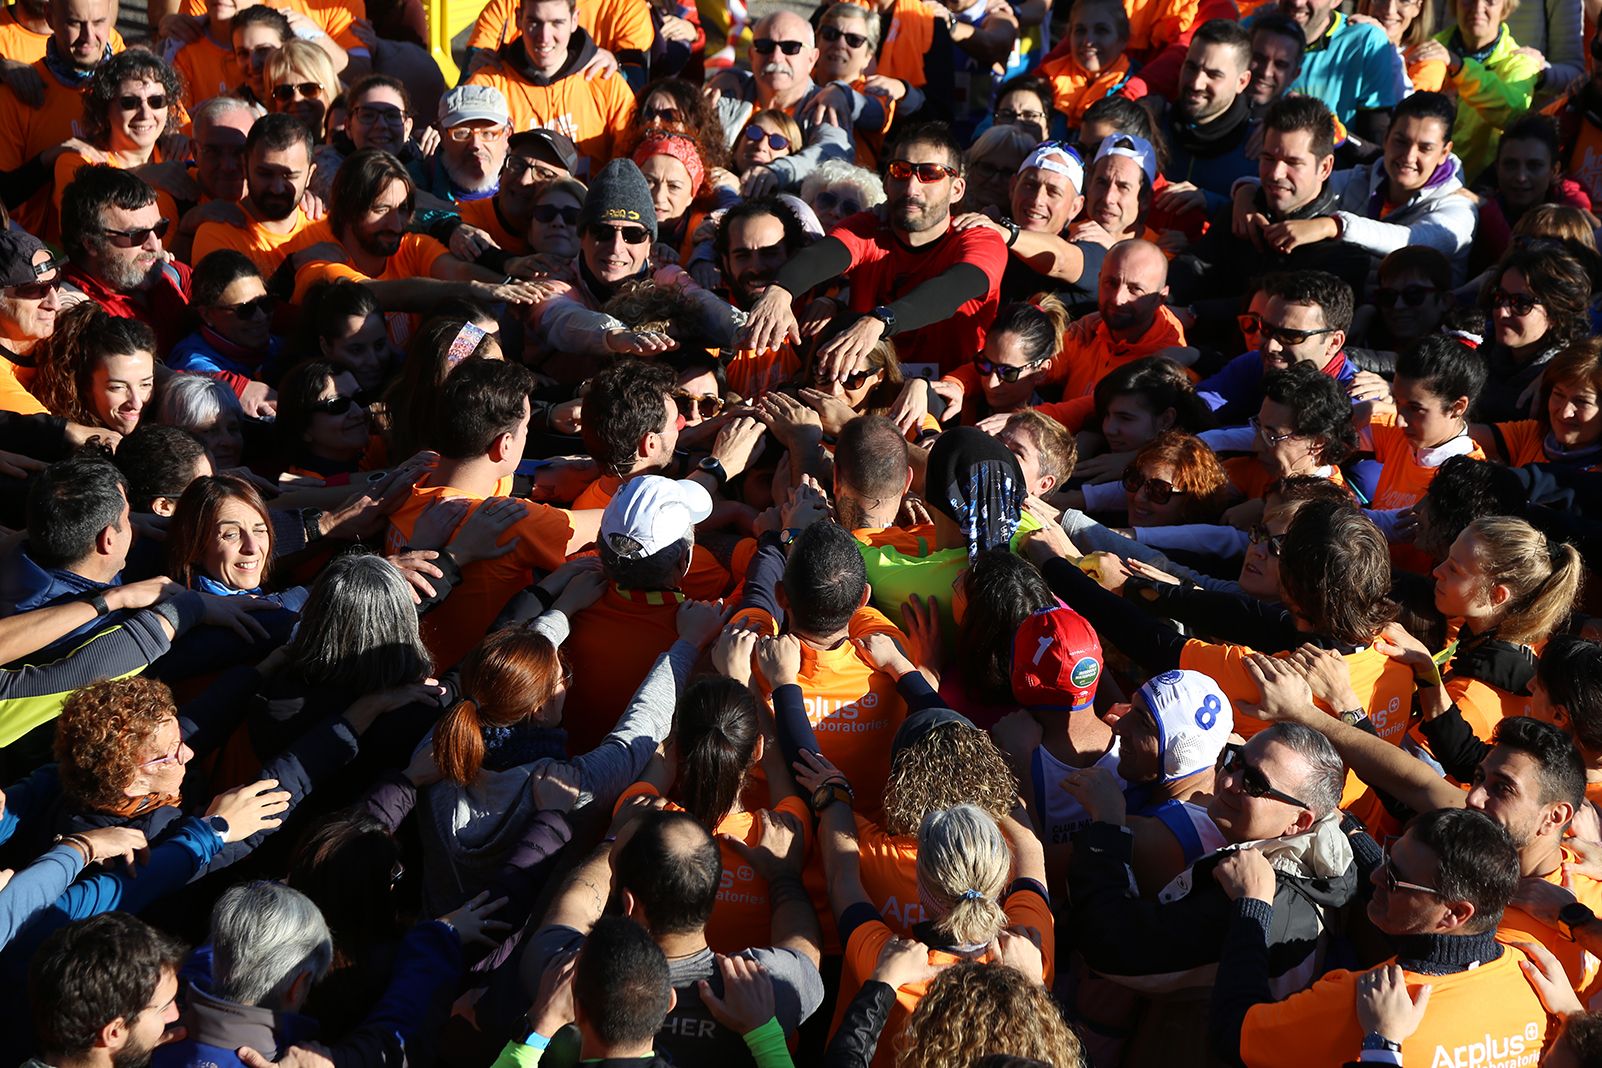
(1435, 954)
(1217, 138)
(1485, 657)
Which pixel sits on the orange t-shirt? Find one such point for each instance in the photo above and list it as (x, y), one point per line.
(742, 917)
(1488, 1017)
(1402, 479)
(456, 624)
(1578, 963)
(15, 378)
(482, 214)
(415, 259)
(1074, 89)
(1075, 413)
(750, 373)
(707, 579)
(22, 45)
(1024, 908)
(25, 132)
(591, 113)
(889, 868)
(610, 649)
(333, 17)
(264, 248)
(615, 25)
(1253, 479)
(907, 42)
(1089, 351)
(209, 69)
(1155, 24)
(917, 540)
(1524, 442)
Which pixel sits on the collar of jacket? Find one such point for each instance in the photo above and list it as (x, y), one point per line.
(1323, 204)
(1494, 662)
(1437, 954)
(213, 1021)
(1225, 133)
(580, 50)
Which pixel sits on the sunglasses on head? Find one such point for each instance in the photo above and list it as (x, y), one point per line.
(1517, 303)
(901, 170)
(1260, 536)
(1158, 491)
(757, 134)
(1412, 296)
(833, 34)
(854, 380)
(1254, 324)
(704, 404)
(259, 308)
(1393, 884)
(631, 235)
(131, 102)
(1003, 371)
(136, 237)
(764, 46)
(338, 404)
(834, 202)
(286, 93)
(1253, 783)
(549, 213)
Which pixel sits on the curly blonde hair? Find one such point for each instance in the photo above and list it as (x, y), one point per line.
(974, 1010)
(101, 735)
(949, 765)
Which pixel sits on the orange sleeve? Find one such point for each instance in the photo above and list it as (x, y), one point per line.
(1225, 665)
(496, 25)
(322, 271)
(213, 236)
(630, 26)
(1027, 909)
(758, 616)
(638, 789)
(418, 254)
(14, 397)
(544, 533)
(862, 951)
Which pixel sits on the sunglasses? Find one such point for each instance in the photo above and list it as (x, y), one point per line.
(286, 93)
(1003, 371)
(854, 380)
(492, 134)
(367, 115)
(631, 235)
(1517, 303)
(1393, 884)
(1254, 324)
(756, 134)
(135, 238)
(132, 102)
(835, 202)
(39, 290)
(335, 405)
(661, 114)
(1412, 296)
(901, 170)
(1268, 436)
(1260, 536)
(549, 213)
(764, 46)
(1158, 491)
(259, 308)
(832, 34)
(706, 405)
(1253, 783)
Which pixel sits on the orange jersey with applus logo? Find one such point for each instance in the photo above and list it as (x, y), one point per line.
(591, 113)
(1579, 964)
(263, 247)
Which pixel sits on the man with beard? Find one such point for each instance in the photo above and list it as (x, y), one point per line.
(1131, 321)
(473, 126)
(278, 153)
(754, 240)
(914, 277)
(36, 118)
(1277, 49)
(1209, 122)
(103, 992)
(111, 228)
(493, 231)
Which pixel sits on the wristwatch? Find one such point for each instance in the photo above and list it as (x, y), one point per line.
(1352, 716)
(1012, 231)
(828, 793)
(98, 602)
(311, 520)
(1571, 916)
(714, 467)
(1375, 1040)
(220, 825)
(885, 316)
(788, 535)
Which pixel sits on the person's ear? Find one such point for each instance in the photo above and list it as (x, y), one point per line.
(1167, 419)
(106, 540)
(1458, 913)
(867, 595)
(1326, 167)
(760, 748)
(1243, 80)
(1499, 595)
(959, 187)
(1047, 484)
(1458, 408)
(630, 902)
(1337, 342)
(1558, 817)
(907, 485)
(114, 1035)
(501, 447)
(673, 999)
(163, 506)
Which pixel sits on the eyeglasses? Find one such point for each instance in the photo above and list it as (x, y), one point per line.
(1253, 783)
(756, 134)
(705, 404)
(259, 308)
(764, 46)
(369, 115)
(833, 34)
(663, 115)
(1260, 536)
(1254, 324)
(1008, 116)
(517, 166)
(1003, 371)
(1412, 296)
(827, 201)
(463, 134)
(131, 102)
(901, 170)
(136, 237)
(631, 235)
(1393, 884)
(1158, 491)
(549, 213)
(170, 758)
(854, 380)
(1517, 303)
(1268, 436)
(286, 93)
(335, 405)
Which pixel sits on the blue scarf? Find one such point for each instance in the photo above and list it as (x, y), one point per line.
(522, 743)
(65, 69)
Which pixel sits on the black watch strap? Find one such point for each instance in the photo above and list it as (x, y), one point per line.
(98, 601)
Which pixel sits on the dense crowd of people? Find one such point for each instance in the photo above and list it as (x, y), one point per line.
(920, 533)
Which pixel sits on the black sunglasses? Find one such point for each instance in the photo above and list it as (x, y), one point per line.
(1253, 783)
(631, 235)
(756, 134)
(548, 213)
(136, 237)
(335, 405)
(259, 308)
(833, 34)
(1003, 371)
(661, 114)
(1254, 324)
(286, 93)
(854, 380)
(1412, 296)
(1158, 491)
(764, 46)
(1517, 303)
(833, 202)
(131, 102)
(1260, 536)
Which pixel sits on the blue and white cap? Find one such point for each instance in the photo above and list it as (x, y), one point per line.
(1193, 717)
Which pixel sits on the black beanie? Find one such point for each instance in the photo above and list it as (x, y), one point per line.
(619, 194)
(975, 481)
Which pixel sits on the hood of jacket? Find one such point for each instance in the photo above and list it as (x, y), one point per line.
(225, 1025)
(580, 50)
(1365, 194)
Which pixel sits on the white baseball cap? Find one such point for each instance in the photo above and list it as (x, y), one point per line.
(470, 103)
(1058, 157)
(655, 511)
(1136, 148)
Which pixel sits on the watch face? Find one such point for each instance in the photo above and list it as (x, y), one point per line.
(1574, 914)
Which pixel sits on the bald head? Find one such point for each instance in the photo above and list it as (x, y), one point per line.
(781, 79)
(1132, 287)
(82, 29)
(671, 869)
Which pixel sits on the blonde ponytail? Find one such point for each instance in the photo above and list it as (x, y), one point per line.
(963, 866)
(1542, 577)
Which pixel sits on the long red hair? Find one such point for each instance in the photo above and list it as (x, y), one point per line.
(507, 678)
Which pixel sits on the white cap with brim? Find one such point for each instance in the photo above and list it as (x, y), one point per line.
(473, 103)
(1128, 145)
(1060, 159)
(655, 512)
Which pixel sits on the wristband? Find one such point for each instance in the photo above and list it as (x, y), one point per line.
(535, 1040)
(97, 601)
(1012, 232)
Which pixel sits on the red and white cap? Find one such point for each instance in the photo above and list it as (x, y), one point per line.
(1056, 660)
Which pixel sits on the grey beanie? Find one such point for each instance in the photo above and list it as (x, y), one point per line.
(619, 194)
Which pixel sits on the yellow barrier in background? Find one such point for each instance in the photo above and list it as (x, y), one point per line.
(446, 20)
